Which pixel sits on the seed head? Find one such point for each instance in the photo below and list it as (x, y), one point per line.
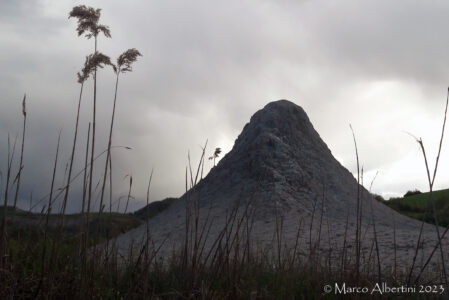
(93, 61)
(88, 18)
(24, 111)
(125, 60)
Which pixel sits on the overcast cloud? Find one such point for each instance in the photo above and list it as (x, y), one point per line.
(207, 66)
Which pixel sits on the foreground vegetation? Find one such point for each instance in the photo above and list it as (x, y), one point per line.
(232, 271)
(60, 275)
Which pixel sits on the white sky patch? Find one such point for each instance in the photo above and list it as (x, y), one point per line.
(396, 179)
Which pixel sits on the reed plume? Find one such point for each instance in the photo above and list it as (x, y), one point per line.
(124, 64)
(88, 18)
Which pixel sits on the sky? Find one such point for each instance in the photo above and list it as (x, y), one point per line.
(207, 66)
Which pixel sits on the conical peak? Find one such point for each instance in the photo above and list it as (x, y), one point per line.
(281, 118)
(276, 137)
(279, 153)
(283, 105)
(281, 111)
(278, 120)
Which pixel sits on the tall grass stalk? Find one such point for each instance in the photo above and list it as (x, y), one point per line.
(47, 217)
(84, 225)
(129, 193)
(431, 202)
(124, 64)
(110, 182)
(148, 214)
(4, 237)
(358, 225)
(81, 79)
(373, 220)
(85, 172)
(343, 255)
(311, 226)
(19, 175)
(88, 19)
(435, 213)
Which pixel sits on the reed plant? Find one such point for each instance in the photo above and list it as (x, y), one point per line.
(123, 65)
(88, 24)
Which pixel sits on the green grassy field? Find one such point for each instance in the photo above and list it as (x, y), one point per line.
(415, 206)
(113, 223)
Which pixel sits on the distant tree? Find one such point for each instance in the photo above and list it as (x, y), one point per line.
(378, 198)
(394, 199)
(412, 192)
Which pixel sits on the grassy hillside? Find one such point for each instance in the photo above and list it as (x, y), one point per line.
(415, 206)
(153, 208)
(113, 223)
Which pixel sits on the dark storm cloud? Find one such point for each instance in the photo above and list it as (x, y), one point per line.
(209, 65)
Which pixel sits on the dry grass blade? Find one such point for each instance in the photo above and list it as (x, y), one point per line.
(148, 213)
(72, 157)
(441, 139)
(124, 61)
(19, 175)
(379, 270)
(201, 163)
(3, 238)
(129, 193)
(49, 209)
(431, 201)
(358, 225)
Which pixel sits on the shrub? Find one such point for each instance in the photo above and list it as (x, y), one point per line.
(379, 198)
(412, 192)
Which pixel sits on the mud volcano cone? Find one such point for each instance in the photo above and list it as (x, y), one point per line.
(280, 187)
